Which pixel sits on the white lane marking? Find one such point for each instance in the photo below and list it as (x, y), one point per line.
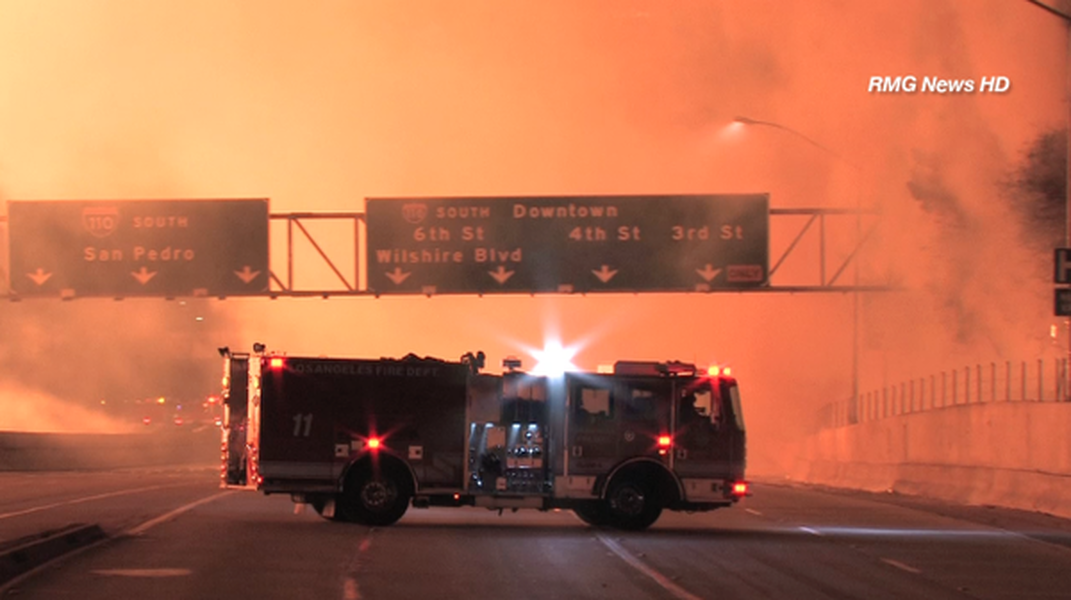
(144, 572)
(350, 591)
(637, 564)
(140, 529)
(811, 531)
(900, 565)
(753, 511)
(27, 511)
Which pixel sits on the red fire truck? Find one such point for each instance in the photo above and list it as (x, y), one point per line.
(361, 440)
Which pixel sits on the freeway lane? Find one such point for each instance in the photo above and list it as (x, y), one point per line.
(33, 502)
(785, 542)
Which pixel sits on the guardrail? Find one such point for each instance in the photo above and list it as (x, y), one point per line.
(1042, 380)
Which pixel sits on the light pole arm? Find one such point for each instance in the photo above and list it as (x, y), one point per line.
(750, 121)
(1050, 9)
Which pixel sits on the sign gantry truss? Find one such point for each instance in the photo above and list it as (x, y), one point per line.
(812, 250)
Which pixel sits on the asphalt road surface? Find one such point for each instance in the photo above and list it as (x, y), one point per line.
(175, 535)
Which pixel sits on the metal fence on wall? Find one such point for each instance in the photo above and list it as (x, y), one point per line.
(1043, 380)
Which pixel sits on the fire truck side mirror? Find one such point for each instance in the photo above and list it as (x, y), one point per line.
(259, 348)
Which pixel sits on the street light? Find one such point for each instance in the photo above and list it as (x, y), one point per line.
(858, 232)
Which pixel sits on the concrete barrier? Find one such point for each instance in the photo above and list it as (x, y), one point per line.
(53, 451)
(1016, 455)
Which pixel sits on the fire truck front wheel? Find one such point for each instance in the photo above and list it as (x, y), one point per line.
(631, 504)
(372, 498)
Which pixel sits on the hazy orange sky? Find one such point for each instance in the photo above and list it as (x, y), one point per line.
(317, 105)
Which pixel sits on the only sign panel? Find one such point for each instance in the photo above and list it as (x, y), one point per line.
(139, 248)
(567, 244)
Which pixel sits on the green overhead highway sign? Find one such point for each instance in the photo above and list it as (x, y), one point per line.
(567, 244)
(138, 247)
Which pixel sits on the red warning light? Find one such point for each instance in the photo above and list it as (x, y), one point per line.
(740, 488)
(373, 443)
(276, 363)
(664, 441)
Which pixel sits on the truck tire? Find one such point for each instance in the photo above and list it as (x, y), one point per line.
(593, 513)
(375, 499)
(632, 505)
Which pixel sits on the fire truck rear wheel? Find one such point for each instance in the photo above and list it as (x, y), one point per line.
(632, 505)
(375, 499)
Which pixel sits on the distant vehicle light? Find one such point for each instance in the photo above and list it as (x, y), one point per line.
(373, 443)
(276, 363)
(664, 441)
(147, 420)
(740, 488)
(178, 421)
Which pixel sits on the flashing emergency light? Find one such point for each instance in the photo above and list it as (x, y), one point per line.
(276, 363)
(554, 360)
(374, 443)
(664, 441)
(740, 488)
(716, 370)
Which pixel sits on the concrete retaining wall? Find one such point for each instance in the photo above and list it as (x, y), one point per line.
(53, 451)
(1016, 455)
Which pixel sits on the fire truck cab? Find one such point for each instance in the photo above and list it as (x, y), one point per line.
(362, 440)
